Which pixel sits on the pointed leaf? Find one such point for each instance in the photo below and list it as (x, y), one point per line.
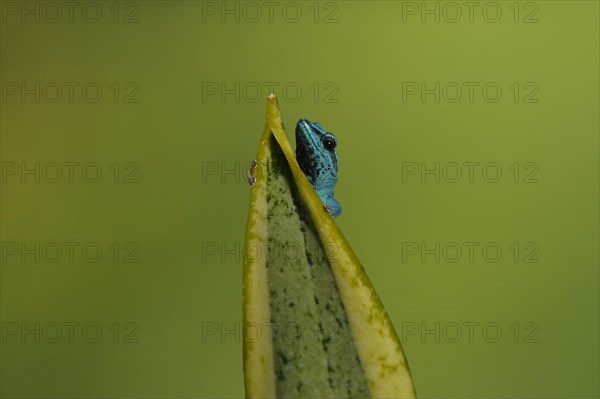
(313, 324)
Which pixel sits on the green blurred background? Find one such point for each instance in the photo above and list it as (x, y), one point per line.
(179, 118)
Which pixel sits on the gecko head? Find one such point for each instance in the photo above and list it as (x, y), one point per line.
(316, 152)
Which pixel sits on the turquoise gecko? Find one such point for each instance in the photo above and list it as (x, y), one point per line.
(317, 157)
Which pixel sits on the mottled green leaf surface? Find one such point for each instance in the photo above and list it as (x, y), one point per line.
(314, 326)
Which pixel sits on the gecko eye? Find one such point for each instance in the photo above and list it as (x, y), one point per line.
(329, 143)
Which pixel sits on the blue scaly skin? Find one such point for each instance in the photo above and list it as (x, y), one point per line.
(317, 157)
